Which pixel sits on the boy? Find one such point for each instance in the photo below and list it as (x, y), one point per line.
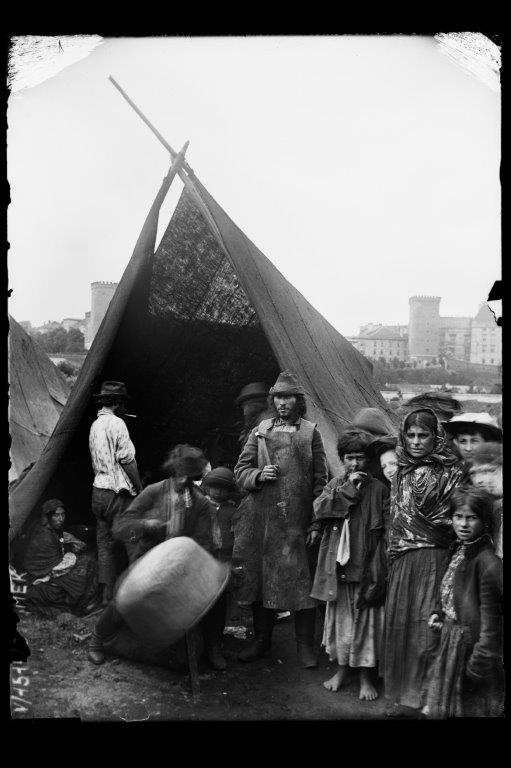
(221, 491)
(469, 430)
(486, 472)
(350, 516)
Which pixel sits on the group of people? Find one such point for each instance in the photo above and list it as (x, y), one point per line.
(399, 554)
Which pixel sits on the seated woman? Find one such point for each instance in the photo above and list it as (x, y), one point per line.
(63, 577)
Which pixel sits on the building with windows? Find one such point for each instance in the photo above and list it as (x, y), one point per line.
(428, 337)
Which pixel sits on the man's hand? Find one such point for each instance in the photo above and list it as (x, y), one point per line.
(269, 473)
(312, 538)
(435, 622)
(357, 478)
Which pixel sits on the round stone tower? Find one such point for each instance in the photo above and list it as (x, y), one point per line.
(424, 327)
(101, 295)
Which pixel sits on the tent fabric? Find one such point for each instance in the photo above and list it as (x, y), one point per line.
(188, 327)
(37, 394)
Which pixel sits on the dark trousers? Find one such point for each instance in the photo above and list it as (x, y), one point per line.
(112, 558)
(213, 623)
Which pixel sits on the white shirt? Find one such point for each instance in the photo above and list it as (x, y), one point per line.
(110, 447)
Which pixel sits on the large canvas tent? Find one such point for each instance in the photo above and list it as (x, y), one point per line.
(191, 323)
(37, 394)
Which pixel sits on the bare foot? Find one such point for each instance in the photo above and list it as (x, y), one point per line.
(367, 690)
(335, 682)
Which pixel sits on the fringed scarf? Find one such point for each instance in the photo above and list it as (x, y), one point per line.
(420, 494)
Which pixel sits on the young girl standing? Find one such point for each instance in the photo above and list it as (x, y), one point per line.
(467, 678)
(349, 515)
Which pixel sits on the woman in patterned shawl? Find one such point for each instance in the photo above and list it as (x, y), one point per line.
(420, 532)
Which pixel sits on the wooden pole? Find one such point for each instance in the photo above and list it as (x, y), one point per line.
(156, 132)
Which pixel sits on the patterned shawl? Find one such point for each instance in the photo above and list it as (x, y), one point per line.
(420, 495)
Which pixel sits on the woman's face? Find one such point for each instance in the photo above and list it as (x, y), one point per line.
(57, 518)
(467, 526)
(388, 464)
(420, 441)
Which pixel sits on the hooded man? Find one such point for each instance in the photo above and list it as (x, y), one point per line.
(283, 468)
(253, 401)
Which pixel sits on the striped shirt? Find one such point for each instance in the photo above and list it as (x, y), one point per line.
(110, 447)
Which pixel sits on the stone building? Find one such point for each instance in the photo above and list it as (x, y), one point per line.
(424, 328)
(486, 338)
(101, 295)
(381, 341)
(429, 336)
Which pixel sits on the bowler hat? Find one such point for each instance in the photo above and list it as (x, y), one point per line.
(186, 461)
(286, 384)
(116, 389)
(482, 422)
(254, 390)
(220, 476)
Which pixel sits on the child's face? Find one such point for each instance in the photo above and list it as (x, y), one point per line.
(467, 443)
(489, 477)
(219, 493)
(467, 526)
(388, 464)
(354, 462)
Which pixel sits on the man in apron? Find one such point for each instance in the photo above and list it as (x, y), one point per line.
(283, 468)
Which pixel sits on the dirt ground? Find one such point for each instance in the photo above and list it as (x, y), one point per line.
(58, 681)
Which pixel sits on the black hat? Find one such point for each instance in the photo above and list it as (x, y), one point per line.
(256, 390)
(380, 445)
(115, 389)
(220, 476)
(287, 384)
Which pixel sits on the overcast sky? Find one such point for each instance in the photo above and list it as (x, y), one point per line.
(365, 168)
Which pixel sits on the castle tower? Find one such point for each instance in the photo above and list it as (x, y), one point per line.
(101, 295)
(424, 327)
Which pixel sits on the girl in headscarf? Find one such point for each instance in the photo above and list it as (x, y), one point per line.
(64, 578)
(420, 532)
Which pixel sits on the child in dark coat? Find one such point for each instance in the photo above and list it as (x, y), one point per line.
(222, 493)
(350, 516)
(467, 678)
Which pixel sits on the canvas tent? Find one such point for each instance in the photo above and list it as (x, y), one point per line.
(37, 394)
(188, 326)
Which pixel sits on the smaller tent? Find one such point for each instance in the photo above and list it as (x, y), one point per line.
(38, 392)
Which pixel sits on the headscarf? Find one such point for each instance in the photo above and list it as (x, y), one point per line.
(420, 500)
(51, 506)
(441, 454)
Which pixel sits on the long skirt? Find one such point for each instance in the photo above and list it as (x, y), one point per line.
(409, 644)
(451, 693)
(352, 637)
(72, 592)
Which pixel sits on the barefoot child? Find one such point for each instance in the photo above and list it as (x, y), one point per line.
(349, 516)
(467, 677)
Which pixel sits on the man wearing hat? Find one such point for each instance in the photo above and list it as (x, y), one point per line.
(172, 507)
(116, 478)
(469, 430)
(253, 401)
(283, 468)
